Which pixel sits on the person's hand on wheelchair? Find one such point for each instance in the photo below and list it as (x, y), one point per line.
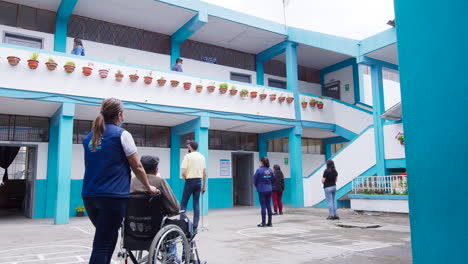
(153, 190)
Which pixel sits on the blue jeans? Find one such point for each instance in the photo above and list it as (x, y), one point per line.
(265, 203)
(106, 214)
(330, 193)
(192, 186)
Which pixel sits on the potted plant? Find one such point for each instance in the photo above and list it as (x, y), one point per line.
(289, 99)
(303, 102)
(187, 85)
(69, 67)
(233, 90)
(223, 88)
(174, 83)
(134, 77)
(148, 79)
(13, 60)
(312, 102)
(88, 70)
(80, 210)
(244, 93)
(319, 104)
(33, 62)
(401, 139)
(103, 73)
(161, 81)
(253, 94)
(119, 76)
(211, 87)
(51, 64)
(272, 97)
(263, 95)
(281, 98)
(199, 87)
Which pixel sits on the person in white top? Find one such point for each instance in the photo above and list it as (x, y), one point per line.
(194, 173)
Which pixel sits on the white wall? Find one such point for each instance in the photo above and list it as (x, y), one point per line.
(391, 206)
(345, 76)
(48, 39)
(393, 148)
(392, 92)
(41, 159)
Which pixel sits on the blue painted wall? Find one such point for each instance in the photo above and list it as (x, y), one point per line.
(432, 51)
(220, 193)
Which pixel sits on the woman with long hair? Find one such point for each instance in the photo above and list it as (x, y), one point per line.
(109, 154)
(278, 188)
(262, 180)
(78, 48)
(329, 179)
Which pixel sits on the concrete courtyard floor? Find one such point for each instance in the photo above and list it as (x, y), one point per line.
(231, 236)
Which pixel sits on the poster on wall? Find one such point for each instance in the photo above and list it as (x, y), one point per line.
(224, 167)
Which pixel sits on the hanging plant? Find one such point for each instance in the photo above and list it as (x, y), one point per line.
(134, 77)
(161, 81)
(303, 103)
(272, 97)
(51, 64)
(13, 60)
(211, 87)
(320, 105)
(148, 79)
(289, 99)
(187, 85)
(69, 67)
(281, 98)
(263, 95)
(33, 62)
(119, 76)
(244, 93)
(400, 137)
(174, 83)
(253, 94)
(233, 90)
(223, 88)
(199, 88)
(103, 73)
(312, 102)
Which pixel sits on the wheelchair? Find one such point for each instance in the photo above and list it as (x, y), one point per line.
(150, 236)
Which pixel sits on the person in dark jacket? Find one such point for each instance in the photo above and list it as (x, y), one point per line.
(110, 154)
(278, 188)
(262, 181)
(329, 179)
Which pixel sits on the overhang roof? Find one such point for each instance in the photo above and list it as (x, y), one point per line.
(393, 113)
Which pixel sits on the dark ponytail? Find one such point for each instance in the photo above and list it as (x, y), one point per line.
(110, 109)
(331, 165)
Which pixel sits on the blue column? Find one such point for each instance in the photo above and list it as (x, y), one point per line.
(201, 136)
(183, 33)
(61, 24)
(259, 67)
(433, 57)
(328, 151)
(356, 83)
(262, 147)
(378, 110)
(175, 180)
(292, 77)
(59, 164)
(295, 156)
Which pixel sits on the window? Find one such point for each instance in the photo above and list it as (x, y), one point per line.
(22, 40)
(278, 145)
(276, 83)
(228, 140)
(81, 128)
(338, 147)
(185, 138)
(158, 137)
(21, 16)
(24, 128)
(312, 146)
(240, 77)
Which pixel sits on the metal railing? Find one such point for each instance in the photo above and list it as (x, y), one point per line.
(393, 184)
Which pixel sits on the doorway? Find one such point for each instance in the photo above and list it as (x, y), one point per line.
(242, 181)
(17, 192)
(332, 89)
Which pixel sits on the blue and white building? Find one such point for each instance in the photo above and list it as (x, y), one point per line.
(48, 112)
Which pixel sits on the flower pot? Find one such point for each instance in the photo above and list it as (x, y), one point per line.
(320, 106)
(253, 94)
(118, 77)
(13, 60)
(281, 99)
(33, 64)
(148, 79)
(87, 71)
(199, 88)
(51, 65)
(312, 104)
(222, 90)
(263, 96)
(79, 214)
(233, 92)
(211, 88)
(187, 85)
(103, 73)
(304, 104)
(69, 68)
(161, 82)
(290, 100)
(244, 94)
(133, 77)
(174, 83)
(272, 97)
(402, 142)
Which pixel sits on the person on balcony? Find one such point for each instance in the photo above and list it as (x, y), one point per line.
(278, 188)
(262, 181)
(178, 66)
(329, 179)
(78, 48)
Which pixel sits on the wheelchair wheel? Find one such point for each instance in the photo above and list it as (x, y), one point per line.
(170, 246)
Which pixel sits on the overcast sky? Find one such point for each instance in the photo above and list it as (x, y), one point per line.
(355, 19)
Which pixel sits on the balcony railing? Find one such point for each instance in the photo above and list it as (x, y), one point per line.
(393, 184)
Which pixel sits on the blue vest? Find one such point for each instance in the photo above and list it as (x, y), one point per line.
(263, 179)
(107, 171)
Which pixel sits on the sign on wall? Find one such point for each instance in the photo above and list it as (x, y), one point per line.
(286, 161)
(224, 167)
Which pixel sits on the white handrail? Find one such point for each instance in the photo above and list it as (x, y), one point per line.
(392, 184)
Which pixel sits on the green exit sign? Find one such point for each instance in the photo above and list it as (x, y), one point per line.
(286, 161)
(346, 87)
